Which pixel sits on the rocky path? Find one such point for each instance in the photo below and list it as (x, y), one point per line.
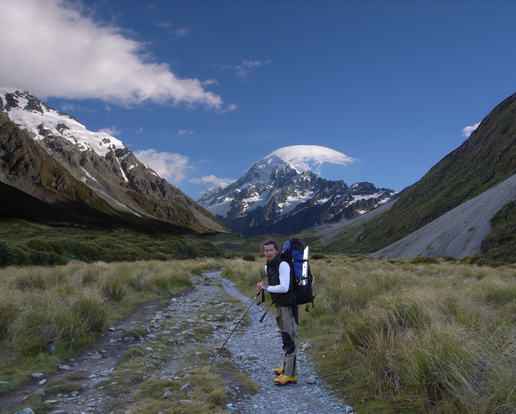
(255, 348)
(258, 352)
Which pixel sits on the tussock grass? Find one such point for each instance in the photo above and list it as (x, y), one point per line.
(410, 336)
(47, 313)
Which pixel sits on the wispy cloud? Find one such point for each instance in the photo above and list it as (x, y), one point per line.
(185, 131)
(211, 179)
(171, 166)
(183, 31)
(178, 32)
(466, 132)
(79, 58)
(209, 82)
(246, 67)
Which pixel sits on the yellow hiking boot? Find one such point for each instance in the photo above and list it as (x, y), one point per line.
(285, 380)
(280, 370)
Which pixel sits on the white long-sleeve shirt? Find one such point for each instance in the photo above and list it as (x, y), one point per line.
(284, 277)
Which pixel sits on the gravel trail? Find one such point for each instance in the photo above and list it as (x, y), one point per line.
(255, 349)
(258, 351)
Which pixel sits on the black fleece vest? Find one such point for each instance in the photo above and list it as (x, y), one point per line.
(280, 299)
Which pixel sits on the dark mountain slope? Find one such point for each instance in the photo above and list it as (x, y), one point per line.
(485, 159)
(35, 186)
(51, 157)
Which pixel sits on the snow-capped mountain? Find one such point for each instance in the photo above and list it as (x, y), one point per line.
(281, 195)
(49, 159)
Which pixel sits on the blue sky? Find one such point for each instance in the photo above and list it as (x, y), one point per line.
(201, 90)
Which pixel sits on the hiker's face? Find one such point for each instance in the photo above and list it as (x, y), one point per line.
(269, 251)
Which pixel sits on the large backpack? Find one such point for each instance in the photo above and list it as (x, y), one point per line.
(293, 252)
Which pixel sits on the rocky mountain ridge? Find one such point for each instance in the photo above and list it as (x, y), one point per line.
(273, 197)
(84, 177)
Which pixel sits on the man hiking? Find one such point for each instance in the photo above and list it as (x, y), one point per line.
(281, 287)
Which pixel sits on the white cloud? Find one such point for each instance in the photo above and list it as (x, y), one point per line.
(170, 166)
(211, 179)
(113, 131)
(51, 49)
(466, 132)
(311, 157)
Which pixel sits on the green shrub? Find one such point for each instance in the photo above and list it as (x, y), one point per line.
(447, 258)
(482, 260)
(47, 258)
(500, 243)
(38, 245)
(84, 251)
(21, 257)
(7, 255)
(424, 260)
(248, 257)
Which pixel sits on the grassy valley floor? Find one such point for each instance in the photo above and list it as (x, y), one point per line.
(391, 335)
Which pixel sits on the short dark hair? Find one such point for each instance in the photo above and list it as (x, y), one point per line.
(268, 242)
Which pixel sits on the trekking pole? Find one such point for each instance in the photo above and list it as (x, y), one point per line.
(263, 298)
(263, 316)
(227, 339)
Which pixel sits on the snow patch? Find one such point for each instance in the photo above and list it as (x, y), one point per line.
(58, 124)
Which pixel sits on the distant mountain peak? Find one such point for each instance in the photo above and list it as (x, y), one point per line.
(281, 194)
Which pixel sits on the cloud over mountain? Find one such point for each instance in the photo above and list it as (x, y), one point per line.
(467, 131)
(171, 166)
(54, 49)
(311, 157)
